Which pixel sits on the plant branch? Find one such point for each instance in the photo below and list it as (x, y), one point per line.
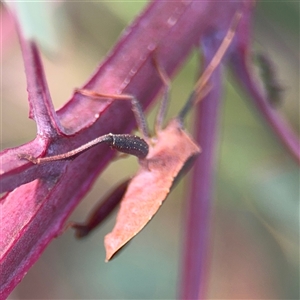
(195, 265)
(44, 195)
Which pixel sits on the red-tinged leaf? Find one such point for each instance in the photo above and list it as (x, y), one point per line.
(146, 192)
(169, 28)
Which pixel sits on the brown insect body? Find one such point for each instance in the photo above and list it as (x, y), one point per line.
(146, 192)
(165, 161)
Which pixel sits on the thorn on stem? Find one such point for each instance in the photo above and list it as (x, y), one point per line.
(28, 157)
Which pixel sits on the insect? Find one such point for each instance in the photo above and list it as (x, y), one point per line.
(170, 153)
(162, 158)
(270, 81)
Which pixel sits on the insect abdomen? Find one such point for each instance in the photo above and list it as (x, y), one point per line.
(130, 144)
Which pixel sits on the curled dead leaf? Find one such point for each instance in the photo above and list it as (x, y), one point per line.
(151, 185)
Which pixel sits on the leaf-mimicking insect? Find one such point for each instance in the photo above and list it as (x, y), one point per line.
(162, 158)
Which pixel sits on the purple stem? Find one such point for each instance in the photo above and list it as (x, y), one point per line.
(244, 74)
(40, 103)
(198, 232)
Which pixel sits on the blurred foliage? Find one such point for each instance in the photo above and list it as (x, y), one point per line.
(255, 238)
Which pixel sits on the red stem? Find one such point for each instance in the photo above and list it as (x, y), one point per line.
(245, 76)
(195, 265)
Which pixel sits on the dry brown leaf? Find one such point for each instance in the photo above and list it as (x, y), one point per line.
(151, 185)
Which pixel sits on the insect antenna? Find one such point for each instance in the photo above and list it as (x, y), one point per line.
(202, 86)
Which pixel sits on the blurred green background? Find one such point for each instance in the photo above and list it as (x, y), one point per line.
(255, 253)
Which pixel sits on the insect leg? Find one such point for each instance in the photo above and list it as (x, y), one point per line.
(101, 211)
(202, 87)
(136, 108)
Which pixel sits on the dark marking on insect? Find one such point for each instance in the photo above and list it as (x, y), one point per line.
(269, 78)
